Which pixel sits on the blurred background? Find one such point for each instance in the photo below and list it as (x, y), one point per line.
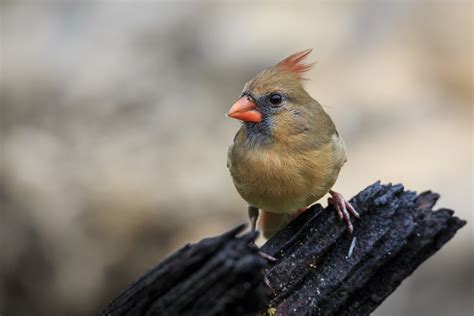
(114, 139)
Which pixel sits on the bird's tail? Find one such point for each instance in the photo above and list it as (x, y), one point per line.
(270, 223)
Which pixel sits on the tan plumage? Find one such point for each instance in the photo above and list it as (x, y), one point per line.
(292, 157)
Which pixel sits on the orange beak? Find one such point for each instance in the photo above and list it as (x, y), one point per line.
(245, 110)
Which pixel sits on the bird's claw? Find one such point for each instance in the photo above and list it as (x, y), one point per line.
(261, 253)
(343, 208)
(267, 256)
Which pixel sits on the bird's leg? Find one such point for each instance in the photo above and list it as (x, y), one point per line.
(343, 208)
(253, 216)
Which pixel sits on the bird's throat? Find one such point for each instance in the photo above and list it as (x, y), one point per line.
(258, 134)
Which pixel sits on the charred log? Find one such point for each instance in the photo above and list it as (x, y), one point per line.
(320, 268)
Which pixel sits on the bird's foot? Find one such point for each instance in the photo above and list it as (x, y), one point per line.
(265, 255)
(261, 253)
(253, 216)
(343, 208)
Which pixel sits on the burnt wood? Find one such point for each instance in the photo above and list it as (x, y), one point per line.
(320, 268)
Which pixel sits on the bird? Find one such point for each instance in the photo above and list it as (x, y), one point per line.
(287, 153)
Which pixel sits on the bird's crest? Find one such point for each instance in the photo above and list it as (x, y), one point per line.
(294, 63)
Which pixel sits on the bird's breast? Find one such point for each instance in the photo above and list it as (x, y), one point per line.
(277, 179)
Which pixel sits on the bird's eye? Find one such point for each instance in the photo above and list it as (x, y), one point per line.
(276, 99)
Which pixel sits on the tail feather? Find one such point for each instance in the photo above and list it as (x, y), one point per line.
(270, 223)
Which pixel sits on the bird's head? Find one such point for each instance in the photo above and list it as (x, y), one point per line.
(276, 95)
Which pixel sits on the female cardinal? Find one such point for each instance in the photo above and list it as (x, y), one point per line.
(287, 153)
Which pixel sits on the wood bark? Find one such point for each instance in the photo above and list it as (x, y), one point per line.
(320, 268)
